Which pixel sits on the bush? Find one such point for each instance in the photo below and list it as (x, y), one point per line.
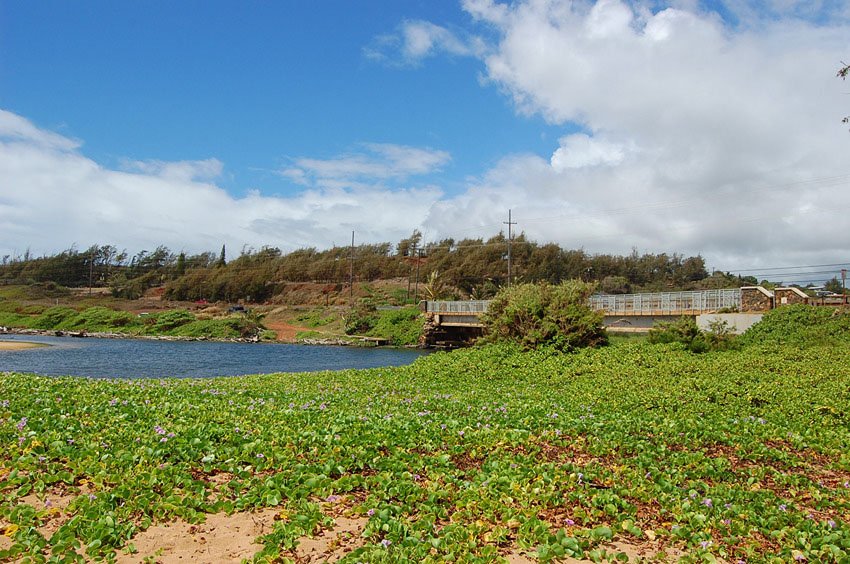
(53, 317)
(534, 315)
(401, 326)
(166, 321)
(361, 318)
(685, 331)
(99, 319)
(800, 324)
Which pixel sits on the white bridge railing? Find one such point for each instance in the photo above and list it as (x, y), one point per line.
(672, 303)
(657, 303)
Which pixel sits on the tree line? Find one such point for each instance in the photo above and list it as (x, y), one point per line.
(467, 268)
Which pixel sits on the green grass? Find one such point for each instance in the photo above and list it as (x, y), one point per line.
(176, 323)
(315, 318)
(400, 326)
(461, 457)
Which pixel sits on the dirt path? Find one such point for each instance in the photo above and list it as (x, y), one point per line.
(285, 332)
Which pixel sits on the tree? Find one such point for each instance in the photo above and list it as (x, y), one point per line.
(221, 258)
(406, 247)
(180, 268)
(834, 285)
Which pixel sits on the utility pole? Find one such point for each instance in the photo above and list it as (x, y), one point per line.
(351, 273)
(91, 269)
(510, 238)
(416, 292)
(410, 270)
(844, 284)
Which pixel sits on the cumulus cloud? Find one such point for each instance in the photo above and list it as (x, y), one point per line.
(52, 195)
(699, 135)
(580, 151)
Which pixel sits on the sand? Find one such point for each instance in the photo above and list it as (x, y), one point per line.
(18, 345)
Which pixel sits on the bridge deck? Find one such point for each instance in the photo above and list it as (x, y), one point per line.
(466, 313)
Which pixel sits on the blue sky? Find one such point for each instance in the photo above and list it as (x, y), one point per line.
(678, 126)
(253, 84)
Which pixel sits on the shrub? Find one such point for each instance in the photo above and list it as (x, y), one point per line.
(685, 331)
(534, 315)
(53, 317)
(361, 318)
(802, 325)
(401, 326)
(99, 319)
(169, 320)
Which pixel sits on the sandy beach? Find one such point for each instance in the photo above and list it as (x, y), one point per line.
(18, 345)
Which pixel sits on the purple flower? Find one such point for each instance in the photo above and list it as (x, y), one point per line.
(783, 507)
(570, 522)
(386, 543)
(261, 455)
(831, 524)
(21, 424)
(332, 498)
(159, 430)
(70, 441)
(705, 544)
(707, 502)
(163, 440)
(113, 402)
(48, 503)
(370, 512)
(92, 497)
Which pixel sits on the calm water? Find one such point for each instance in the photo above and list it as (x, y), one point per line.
(138, 358)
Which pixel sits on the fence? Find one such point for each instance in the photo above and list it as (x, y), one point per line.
(667, 303)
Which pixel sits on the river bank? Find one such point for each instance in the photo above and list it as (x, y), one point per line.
(114, 335)
(348, 341)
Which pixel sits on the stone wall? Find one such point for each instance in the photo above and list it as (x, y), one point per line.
(788, 296)
(756, 298)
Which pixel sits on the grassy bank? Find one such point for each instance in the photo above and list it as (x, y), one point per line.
(98, 319)
(467, 456)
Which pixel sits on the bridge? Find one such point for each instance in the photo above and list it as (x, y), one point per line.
(468, 313)
(458, 321)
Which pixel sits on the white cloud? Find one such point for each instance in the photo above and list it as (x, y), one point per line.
(417, 40)
(373, 161)
(208, 169)
(52, 196)
(580, 150)
(701, 136)
(13, 126)
(696, 136)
